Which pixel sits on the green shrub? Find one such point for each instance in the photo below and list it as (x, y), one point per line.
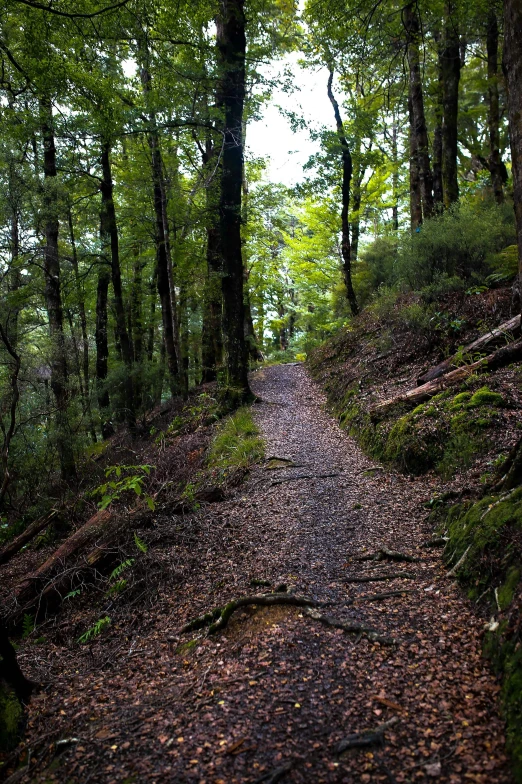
(455, 243)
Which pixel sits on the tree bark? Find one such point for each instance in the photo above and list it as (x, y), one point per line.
(83, 325)
(513, 71)
(102, 350)
(165, 290)
(419, 129)
(9, 431)
(53, 294)
(496, 167)
(231, 50)
(438, 192)
(347, 171)
(450, 69)
(110, 245)
(415, 190)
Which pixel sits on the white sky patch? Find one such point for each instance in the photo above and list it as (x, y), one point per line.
(272, 137)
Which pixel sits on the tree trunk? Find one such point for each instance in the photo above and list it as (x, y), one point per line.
(165, 289)
(513, 71)
(102, 350)
(395, 177)
(8, 429)
(450, 64)
(138, 333)
(419, 129)
(345, 197)
(83, 325)
(15, 690)
(496, 167)
(231, 49)
(415, 190)
(211, 338)
(438, 192)
(110, 245)
(53, 295)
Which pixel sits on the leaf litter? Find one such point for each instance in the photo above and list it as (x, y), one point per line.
(276, 694)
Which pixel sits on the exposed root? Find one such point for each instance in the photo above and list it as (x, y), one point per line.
(378, 578)
(361, 740)
(219, 617)
(459, 563)
(352, 627)
(275, 775)
(391, 555)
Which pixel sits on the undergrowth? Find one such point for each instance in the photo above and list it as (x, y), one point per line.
(237, 442)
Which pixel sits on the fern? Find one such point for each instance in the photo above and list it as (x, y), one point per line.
(118, 587)
(120, 568)
(27, 626)
(95, 630)
(72, 594)
(140, 544)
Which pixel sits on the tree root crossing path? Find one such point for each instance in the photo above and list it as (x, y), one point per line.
(360, 660)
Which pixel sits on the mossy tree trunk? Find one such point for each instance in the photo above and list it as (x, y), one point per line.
(15, 690)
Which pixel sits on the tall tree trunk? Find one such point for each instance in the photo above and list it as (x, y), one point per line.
(102, 350)
(165, 288)
(83, 325)
(137, 325)
(53, 295)
(438, 192)
(395, 178)
(415, 189)
(450, 66)
(419, 129)
(496, 167)
(211, 337)
(345, 197)
(231, 49)
(513, 71)
(110, 245)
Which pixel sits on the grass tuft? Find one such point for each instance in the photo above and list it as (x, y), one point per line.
(237, 442)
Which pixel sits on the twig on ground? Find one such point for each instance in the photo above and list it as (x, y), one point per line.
(360, 740)
(378, 596)
(390, 555)
(275, 775)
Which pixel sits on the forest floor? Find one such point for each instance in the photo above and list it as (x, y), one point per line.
(271, 697)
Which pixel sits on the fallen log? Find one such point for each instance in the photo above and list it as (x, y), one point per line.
(500, 358)
(14, 547)
(511, 327)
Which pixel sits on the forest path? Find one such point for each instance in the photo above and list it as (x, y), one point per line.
(269, 698)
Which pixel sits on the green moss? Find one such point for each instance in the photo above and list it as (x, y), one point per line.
(462, 397)
(10, 717)
(485, 397)
(186, 647)
(507, 591)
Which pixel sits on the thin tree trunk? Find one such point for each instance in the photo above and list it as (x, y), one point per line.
(231, 50)
(513, 71)
(450, 62)
(415, 190)
(438, 191)
(165, 289)
(53, 295)
(9, 431)
(345, 197)
(395, 178)
(137, 325)
(83, 325)
(110, 242)
(102, 350)
(496, 167)
(419, 128)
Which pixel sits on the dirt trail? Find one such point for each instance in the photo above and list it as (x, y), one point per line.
(269, 698)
